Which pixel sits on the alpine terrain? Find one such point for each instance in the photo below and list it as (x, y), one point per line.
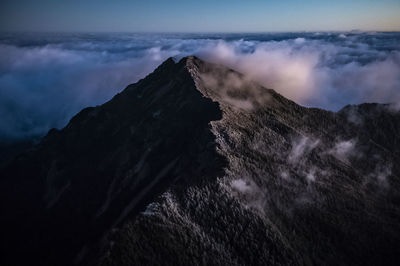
(198, 165)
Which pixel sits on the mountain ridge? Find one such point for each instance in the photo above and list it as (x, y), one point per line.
(228, 168)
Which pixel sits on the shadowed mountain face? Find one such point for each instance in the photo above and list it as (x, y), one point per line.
(196, 164)
(108, 163)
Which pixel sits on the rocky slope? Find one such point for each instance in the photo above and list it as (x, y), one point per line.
(195, 164)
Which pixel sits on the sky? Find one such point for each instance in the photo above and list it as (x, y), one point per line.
(199, 16)
(57, 57)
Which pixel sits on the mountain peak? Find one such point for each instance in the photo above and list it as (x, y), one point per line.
(198, 156)
(111, 161)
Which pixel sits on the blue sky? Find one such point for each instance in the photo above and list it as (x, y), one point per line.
(199, 16)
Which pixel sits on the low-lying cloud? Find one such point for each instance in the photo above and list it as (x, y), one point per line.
(343, 150)
(46, 79)
(317, 72)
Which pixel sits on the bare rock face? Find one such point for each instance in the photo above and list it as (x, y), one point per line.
(197, 165)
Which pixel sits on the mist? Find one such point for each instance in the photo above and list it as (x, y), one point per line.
(45, 79)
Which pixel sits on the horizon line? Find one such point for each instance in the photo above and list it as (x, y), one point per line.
(202, 32)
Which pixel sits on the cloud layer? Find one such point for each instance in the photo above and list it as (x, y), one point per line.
(46, 79)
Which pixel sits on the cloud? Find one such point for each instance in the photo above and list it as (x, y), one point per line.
(343, 150)
(273, 65)
(43, 87)
(234, 89)
(316, 72)
(379, 178)
(311, 176)
(301, 147)
(251, 192)
(46, 79)
(242, 186)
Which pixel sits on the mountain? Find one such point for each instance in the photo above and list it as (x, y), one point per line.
(198, 165)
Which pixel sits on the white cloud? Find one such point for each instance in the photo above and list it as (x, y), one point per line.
(69, 73)
(310, 72)
(251, 192)
(343, 149)
(241, 186)
(301, 147)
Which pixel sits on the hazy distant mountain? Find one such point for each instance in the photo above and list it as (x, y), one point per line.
(197, 165)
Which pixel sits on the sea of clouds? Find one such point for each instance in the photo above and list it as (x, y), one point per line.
(47, 78)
